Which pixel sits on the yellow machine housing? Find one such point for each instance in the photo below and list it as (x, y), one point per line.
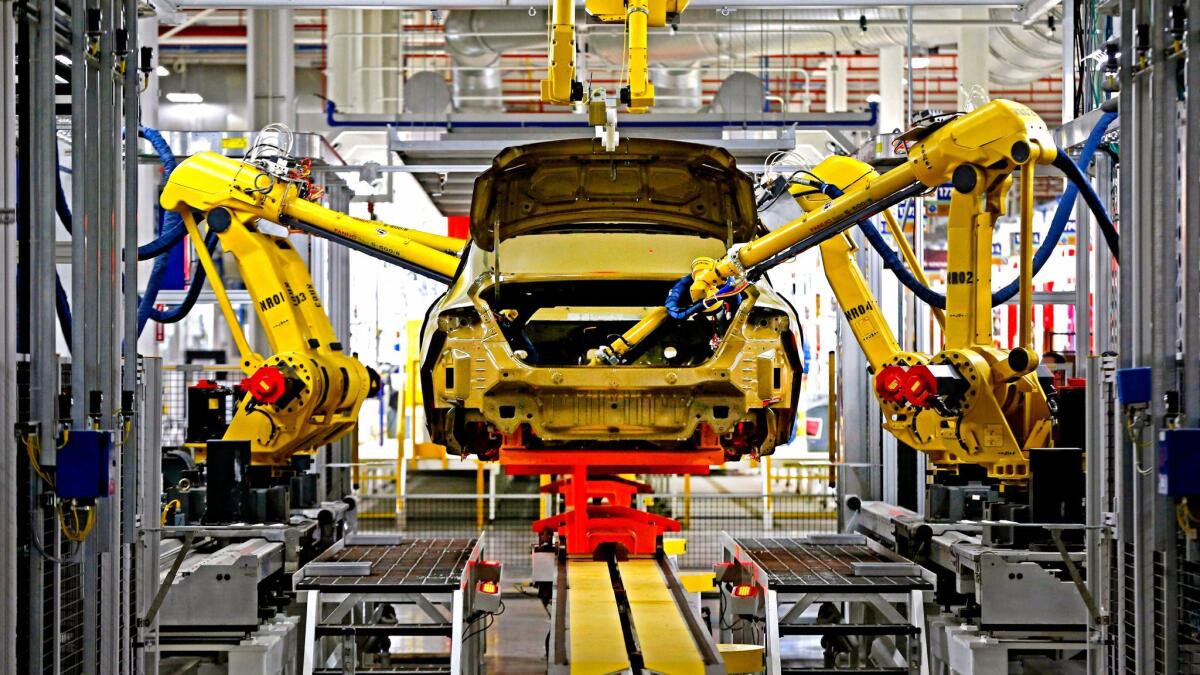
(316, 387)
(1004, 412)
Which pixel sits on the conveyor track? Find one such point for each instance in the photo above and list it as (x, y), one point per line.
(630, 616)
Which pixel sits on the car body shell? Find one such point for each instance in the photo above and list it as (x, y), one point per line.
(575, 236)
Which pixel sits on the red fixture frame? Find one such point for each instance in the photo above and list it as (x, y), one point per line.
(600, 505)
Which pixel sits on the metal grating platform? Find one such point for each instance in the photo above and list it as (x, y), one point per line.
(799, 566)
(417, 565)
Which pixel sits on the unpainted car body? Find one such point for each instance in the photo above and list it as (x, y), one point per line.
(570, 245)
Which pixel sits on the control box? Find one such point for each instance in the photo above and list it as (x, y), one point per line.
(82, 465)
(1133, 386)
(1179, 463)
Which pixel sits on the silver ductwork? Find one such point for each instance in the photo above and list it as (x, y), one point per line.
(476, 38)
(1027, 53)
(677, 88)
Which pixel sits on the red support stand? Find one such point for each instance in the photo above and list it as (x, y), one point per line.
(601, 507)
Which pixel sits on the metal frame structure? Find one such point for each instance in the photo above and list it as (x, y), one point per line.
(852, 572)
(77, 606)
(363, 572)
(465, 143)
(1150, 299)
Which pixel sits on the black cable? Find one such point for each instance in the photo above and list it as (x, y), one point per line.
(490, 619)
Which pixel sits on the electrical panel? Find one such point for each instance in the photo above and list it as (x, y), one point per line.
(1179, 463)
(82, 465)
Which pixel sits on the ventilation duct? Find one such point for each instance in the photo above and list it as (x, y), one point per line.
(740, 94)
(677, 89)
(476, 38)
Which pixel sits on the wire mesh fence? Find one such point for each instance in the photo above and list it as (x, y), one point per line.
(1189, 616)
(507, 520)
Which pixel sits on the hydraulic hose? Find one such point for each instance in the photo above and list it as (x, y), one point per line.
(1077, 183)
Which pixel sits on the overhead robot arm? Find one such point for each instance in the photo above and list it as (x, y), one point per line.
(308, 391)
(971, 403)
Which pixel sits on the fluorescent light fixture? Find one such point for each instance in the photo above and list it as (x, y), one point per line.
(162, 71)
(919, 62)
(184, 97)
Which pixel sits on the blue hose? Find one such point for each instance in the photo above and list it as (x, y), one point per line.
(679, 305)
(173, 230)
(1058, 225)
(172, 233)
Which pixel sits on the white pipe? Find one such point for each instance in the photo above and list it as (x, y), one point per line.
(190, 21)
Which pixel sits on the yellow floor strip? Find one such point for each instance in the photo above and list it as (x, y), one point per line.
(597, 644)
(667, 644)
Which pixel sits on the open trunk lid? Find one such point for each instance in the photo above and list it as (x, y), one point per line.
(573, 185)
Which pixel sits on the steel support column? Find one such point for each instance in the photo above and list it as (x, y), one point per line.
(270, 69)
(1125, 472)
(85, 212)
(330, 266)
(149, 500)
(1191, 230)
(130, 457)
(36, 295)
(8, 346)
(862, 448)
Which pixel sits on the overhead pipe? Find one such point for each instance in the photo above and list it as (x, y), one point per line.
(479, 38)
(868, 120)
(511, 4)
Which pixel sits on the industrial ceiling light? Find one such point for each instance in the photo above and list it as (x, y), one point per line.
(919, 62)
(184, 97)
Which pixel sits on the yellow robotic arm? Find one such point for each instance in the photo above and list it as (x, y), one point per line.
(560, 86)
(308, 392)
(971, 403)
(638, 16)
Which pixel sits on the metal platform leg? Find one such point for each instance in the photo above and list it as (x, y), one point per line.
(774, 660)
(456, 633)
(312, 616)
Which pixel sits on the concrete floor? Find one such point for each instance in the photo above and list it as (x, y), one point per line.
(516, 644)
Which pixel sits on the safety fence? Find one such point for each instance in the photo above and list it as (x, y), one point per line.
(507, 519)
